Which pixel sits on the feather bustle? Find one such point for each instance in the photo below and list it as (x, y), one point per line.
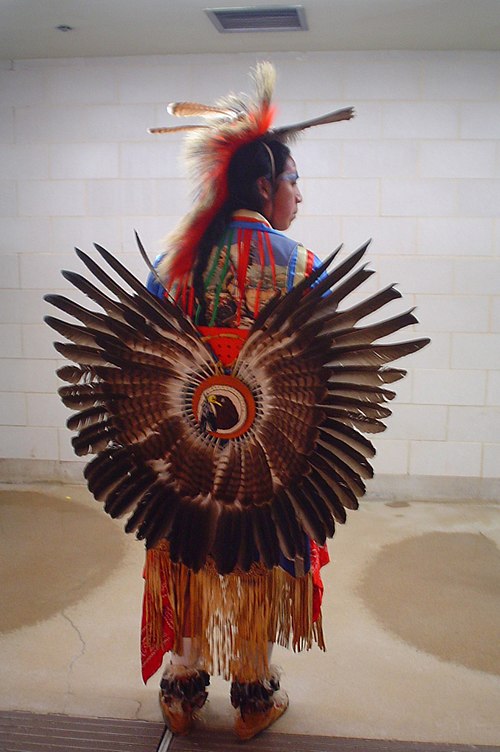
(131, 361)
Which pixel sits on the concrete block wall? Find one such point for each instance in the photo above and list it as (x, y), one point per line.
(417, 171)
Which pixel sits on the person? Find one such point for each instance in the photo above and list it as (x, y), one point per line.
(243, 260)
(229, 418)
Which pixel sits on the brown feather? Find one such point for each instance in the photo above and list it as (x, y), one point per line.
(290, 534)
(271, 318)
(197, 475)
(350, 436)
(87, 417)
(329, 496)
(133, 430)
(344, 452)
(124, 297)
(357, 420)
(376, 354)
(349, 405)
(350, 476)
(312, 416)
(256, 486)
(359, 311)
(176, 128)
(227, 541)
(94, 438)
(73, 375)
(107, 469)
(193, 534)
(176, 522)
(79, 335)
(124, 358)
(366, 334)
(91, 291)
(307, 514)
(247, 553)
(162, 510)
(227, 477)
(322, 509)
(89, 318)
(265, 535)
(369, 375)
(347, 495)
(304, 426)
(360, 392)
(79, 396)
(129, 492)
(165, 312)
(316, 298)
(287, 460)
(88, 356)
(290, 131)
(148, 502)
(195, 109)
(132, 378)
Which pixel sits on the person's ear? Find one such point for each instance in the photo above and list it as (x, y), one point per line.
(265, 189)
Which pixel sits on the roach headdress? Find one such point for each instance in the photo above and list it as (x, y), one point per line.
(231, 123)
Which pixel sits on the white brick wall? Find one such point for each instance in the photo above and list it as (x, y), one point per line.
(417, 171)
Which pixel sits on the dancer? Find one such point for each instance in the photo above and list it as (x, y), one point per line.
(225, 406)
(240, 265)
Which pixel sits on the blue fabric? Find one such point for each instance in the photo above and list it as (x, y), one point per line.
(239, 224)
(152, 282)
(283, 246)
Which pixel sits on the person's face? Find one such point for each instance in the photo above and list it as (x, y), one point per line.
(283, 204)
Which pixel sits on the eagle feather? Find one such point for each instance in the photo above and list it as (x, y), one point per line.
(318, 379)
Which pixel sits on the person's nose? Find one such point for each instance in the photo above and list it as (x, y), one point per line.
(298, 196)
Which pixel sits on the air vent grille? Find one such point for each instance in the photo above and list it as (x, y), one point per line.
(266, 18)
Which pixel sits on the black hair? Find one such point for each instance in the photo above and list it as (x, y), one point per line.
(248, 164)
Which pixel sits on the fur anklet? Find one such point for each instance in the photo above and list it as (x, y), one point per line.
(185, 685)
(254, 697)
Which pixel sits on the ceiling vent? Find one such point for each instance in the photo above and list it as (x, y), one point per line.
(265, 18)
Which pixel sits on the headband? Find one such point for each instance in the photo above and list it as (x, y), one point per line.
(271, 159)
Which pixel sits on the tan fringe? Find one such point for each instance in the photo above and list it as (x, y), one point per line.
(232, 618)
(156, 572)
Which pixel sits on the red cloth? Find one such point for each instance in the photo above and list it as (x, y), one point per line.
(319, 557)
(152, 658)
(225, 342)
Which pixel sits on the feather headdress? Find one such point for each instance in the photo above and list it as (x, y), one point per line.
(232, 123)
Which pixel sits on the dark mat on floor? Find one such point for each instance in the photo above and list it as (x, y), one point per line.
(29, 732)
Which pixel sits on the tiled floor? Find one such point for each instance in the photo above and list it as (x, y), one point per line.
(411, 620)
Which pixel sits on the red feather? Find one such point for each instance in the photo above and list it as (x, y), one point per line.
(222, 146)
